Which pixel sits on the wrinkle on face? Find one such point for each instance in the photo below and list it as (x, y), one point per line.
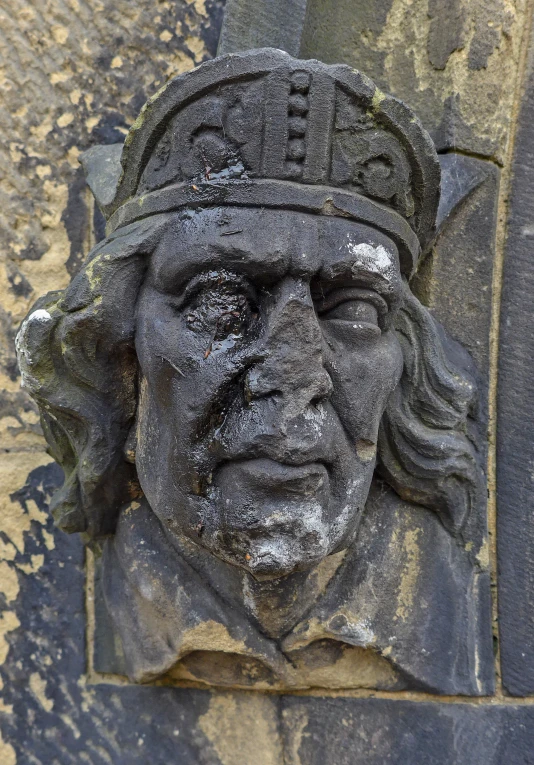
(268, 244)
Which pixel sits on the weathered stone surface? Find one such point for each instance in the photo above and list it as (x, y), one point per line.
(49, 713)
(262, 24)
(260, 389)
(375, 732)
(451, 62)
(455, 280)
(67, 70)
(515, 445)
(70, 77)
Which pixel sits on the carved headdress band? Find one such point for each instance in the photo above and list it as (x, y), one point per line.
(263, 129)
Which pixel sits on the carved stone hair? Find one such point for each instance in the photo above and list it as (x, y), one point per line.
(78, 360)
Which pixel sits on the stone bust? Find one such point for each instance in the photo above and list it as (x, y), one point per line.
(261, 427)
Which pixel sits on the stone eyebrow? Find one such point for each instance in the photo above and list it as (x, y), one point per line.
(366, 264)
(173, 271)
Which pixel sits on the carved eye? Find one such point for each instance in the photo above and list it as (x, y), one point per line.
(353, 310)
(362, 308)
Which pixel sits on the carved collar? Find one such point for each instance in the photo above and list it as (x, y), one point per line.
(362, 632)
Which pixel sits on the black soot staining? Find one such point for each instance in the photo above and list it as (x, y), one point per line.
(221, 305)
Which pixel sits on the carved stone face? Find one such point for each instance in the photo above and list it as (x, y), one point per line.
(266, 359)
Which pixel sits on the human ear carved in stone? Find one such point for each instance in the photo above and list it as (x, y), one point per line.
(259, 423)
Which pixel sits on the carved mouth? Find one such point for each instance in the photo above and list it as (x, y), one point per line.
(271, 475)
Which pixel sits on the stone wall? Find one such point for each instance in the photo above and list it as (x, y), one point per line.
(74, 73)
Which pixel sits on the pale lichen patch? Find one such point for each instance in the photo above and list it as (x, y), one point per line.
(48, 539)
(36, 561)
(38, 688)
(65, 119)
(60, 34)
(410, 574)
(243, 728)
(15, 521)
(483, 555)
(8, 550)
(7, 753)
(179, 62)
(10, 583)
(196, 46)
(8, 623)
(211, 636)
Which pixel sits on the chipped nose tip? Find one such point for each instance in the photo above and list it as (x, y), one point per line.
(302, 386)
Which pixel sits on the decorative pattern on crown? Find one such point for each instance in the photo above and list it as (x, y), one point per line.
(265, 115)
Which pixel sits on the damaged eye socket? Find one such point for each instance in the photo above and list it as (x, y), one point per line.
(221, 304)
(231, 321)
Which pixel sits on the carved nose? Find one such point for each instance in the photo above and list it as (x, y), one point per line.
(293, 365)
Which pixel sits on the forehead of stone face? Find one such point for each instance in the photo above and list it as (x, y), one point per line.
(269, 243)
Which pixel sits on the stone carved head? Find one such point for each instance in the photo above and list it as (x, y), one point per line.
(243, 353)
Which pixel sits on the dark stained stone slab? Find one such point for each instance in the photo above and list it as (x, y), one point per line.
(455, 280)
(515, 444)
(461, 264)
(262, 24)
(384, 732)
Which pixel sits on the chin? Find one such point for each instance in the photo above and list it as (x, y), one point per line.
(272, 556)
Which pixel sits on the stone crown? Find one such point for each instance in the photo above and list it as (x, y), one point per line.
(262, 128)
